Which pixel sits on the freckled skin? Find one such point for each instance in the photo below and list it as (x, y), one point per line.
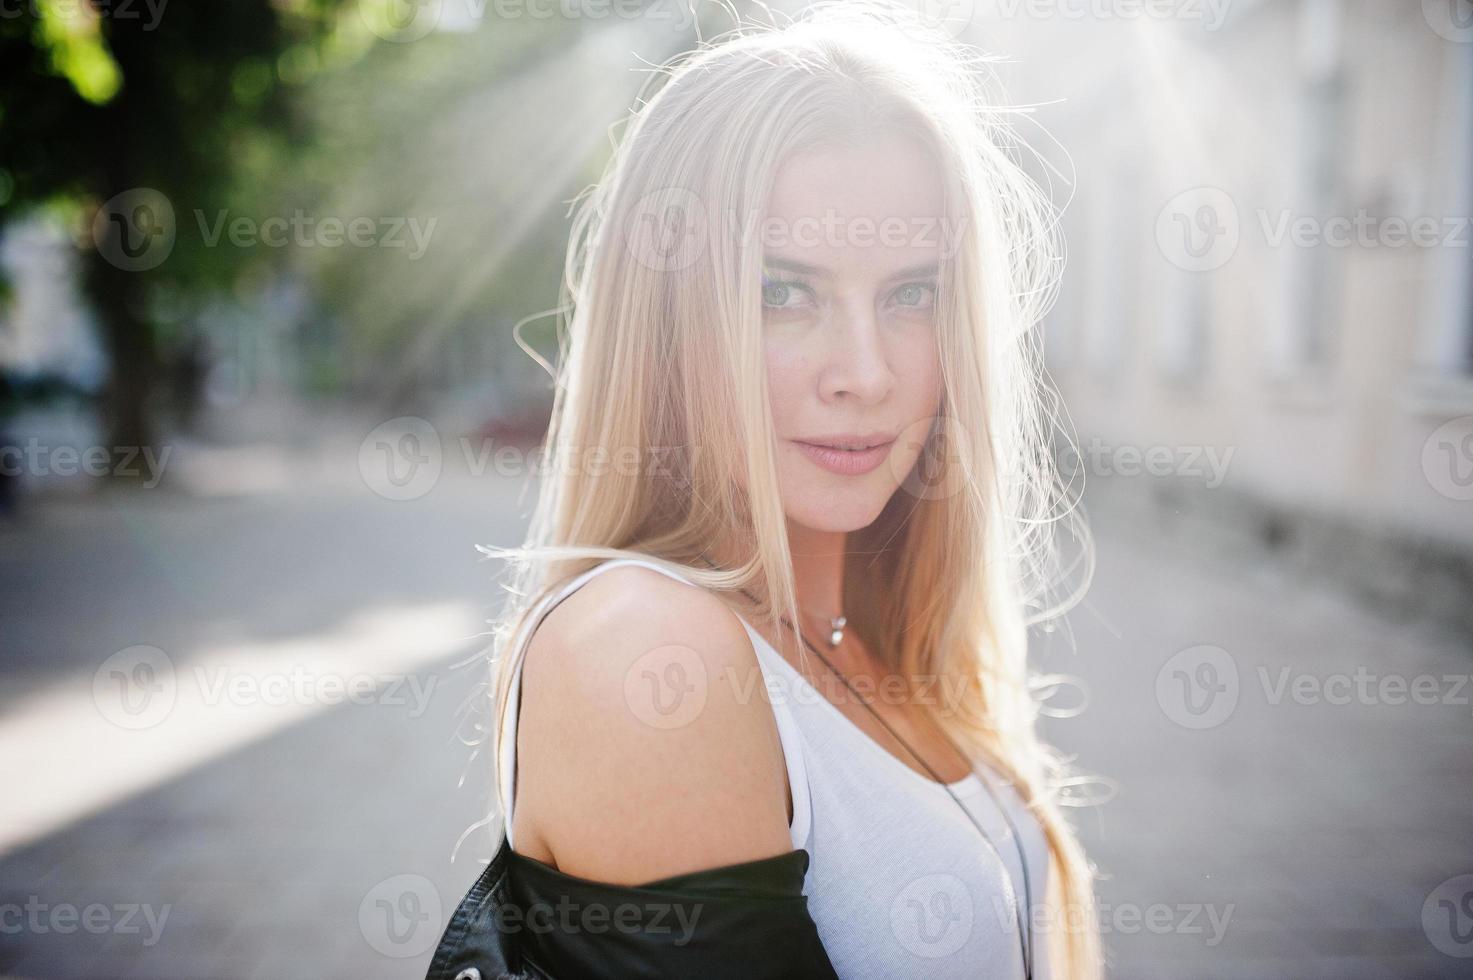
(851, 350)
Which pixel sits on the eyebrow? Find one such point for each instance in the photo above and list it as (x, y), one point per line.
(922, 271)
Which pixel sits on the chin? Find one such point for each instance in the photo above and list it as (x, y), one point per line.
(839, 512)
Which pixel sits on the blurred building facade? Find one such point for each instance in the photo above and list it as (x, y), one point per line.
(1269, 265)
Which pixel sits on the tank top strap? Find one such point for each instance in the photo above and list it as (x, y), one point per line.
(787, 725)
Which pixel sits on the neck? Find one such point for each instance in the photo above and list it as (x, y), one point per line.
(818, 568)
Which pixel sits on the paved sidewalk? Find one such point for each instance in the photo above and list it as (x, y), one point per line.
(270, 859)
(1273, 840)
(1310, 803)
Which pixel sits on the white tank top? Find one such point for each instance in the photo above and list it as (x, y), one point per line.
(899, 882)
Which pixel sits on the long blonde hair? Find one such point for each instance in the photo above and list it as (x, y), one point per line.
(661, 417)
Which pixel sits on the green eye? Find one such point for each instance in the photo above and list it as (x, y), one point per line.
(915, 294)
(781, 294)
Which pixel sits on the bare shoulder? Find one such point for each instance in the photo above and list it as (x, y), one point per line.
(646, 746)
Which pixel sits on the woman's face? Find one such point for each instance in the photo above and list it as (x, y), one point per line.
(851, 244)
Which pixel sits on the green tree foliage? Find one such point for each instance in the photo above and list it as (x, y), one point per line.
(99, 99)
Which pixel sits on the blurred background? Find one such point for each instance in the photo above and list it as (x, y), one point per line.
(260, 397)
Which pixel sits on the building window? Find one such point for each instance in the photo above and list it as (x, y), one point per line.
(1114, 271)
(1183, 343)
(1446, 350)
(1305, 338)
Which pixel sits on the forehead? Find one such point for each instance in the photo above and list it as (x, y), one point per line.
(870, 206)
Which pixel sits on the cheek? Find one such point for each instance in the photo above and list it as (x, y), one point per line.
(787, 380)
(918, 366)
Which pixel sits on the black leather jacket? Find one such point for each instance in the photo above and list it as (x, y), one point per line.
(523, 920)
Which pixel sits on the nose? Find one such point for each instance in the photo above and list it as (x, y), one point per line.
(857, 365)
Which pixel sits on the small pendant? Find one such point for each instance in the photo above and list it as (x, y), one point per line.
(837, 636)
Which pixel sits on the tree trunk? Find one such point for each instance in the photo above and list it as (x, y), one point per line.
(119, 298)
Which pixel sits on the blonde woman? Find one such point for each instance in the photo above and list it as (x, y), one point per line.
(772, 611)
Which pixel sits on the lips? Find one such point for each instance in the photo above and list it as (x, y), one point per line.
(850, 443)
(847, 455)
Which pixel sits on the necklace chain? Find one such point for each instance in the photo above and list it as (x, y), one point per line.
(1025, 936)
